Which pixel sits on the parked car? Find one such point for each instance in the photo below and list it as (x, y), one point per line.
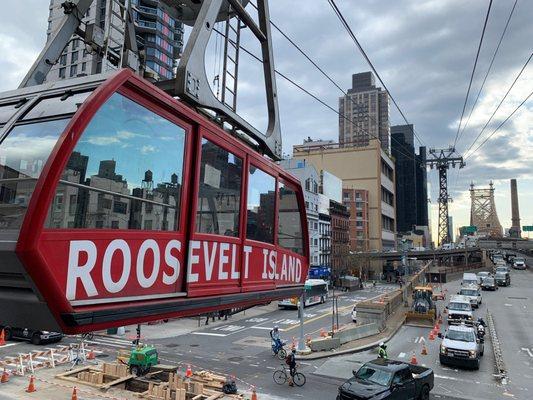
(489, 283)
(519, 263)
(460, 346)
(482, 275)
(36, 337)
(354, 314)
(473, 294)
(502, 278)
(388, 379)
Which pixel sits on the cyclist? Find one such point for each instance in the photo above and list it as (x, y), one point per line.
(382, 350)
(276, 340)
(291, 362)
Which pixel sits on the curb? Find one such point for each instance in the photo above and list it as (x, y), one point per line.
(351, 351)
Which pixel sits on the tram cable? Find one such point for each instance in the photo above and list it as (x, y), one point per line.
(313, 96)
(473, 72)
(489, 69)
(501, 124)
(500, 103)
(345, 24)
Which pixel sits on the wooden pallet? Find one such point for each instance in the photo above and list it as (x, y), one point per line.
(103, 379)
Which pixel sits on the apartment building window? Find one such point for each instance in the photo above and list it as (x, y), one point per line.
(386, 170)
(359, 224)
(62, 72)
(49, 25)
(387, 196)
(83, 66)
(387, 223)
(73, 70)
(75, 44)
(359, 214)
(358, 204)
(74, 57)
(63, 59)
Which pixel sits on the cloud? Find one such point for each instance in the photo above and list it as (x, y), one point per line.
(424, 50)
(147, 149)
(103, 140)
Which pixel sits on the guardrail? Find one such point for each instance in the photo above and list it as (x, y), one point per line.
(498, 357)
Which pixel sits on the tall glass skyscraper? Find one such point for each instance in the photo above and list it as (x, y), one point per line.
(160, 35)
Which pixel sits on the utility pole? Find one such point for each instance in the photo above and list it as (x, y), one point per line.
(442, 160)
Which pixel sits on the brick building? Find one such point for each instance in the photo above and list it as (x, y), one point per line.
(356, 202)
(340, 238)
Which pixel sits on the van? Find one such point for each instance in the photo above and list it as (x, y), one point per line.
(470, 278)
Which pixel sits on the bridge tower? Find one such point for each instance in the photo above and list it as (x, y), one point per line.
(483, 211)
(442, 160)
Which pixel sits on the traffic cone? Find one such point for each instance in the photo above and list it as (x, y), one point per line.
(2, 338)
(74, 394)
(254, 394)
(431, 335)
(413, 359)
(31, 386)
(424, 350)
(91, 355)
(323, 333)
(5, 377)
(188, 372)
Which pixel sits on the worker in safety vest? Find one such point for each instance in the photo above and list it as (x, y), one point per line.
(382, 350)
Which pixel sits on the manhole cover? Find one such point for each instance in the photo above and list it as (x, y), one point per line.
(194, 345)
(172, 345)
(236, 359)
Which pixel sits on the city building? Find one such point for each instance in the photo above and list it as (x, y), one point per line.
(159, 36)
(411, 179)
(364, 113)
(356, 203)
(367, 168)
(309, 177)
(340, 238)
(450, 228)
(324, 232)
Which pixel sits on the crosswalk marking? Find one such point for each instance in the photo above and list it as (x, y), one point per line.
(228, 328)
(209, 334)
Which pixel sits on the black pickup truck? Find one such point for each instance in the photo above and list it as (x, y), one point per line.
(388, 379)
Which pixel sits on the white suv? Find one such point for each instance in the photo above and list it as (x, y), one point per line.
(473, 294)
(461, 346)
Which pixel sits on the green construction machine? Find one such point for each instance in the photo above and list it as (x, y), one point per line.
(140, 359)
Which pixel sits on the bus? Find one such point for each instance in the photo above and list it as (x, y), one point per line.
(316, 292)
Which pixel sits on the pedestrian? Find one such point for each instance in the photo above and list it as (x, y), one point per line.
(382, 350)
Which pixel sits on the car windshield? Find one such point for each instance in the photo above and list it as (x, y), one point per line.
(500, 276)
(461, 336)
(518, 260)
(501, 269)
(483, 274)
(460, 306)
(374, 375)
(488, 280)
(469, 292)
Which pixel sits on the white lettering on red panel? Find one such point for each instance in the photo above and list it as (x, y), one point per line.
(119, 268)
(116, 271)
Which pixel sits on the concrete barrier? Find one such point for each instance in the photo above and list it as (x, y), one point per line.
(357, 332)
(325, 344)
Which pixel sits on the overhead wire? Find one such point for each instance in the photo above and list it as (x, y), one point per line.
(489, 69)
(315, 97)
(345, 24)
(500, 103)
(321, 70)
(473, 72)
(500, 125)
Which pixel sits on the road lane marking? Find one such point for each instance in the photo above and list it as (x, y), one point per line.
(528, 351)
(256, 320)
(210, 334)
(401, 355)
(266, 328)
(9, 344)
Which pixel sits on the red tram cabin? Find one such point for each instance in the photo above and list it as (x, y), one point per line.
(120, 204)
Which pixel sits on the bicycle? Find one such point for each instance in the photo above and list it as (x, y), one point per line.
(281, 376)
(279, 350)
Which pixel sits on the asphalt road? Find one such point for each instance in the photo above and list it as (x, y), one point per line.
(242, 348)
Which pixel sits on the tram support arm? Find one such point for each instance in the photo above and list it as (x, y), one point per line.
(68, 26)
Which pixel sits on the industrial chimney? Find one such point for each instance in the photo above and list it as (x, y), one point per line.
(515, 231)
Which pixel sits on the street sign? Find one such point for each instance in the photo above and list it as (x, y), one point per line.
(470, 229)
(527, 228)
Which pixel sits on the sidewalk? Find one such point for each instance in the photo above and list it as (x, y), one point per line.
(184, 326)
(394, 323)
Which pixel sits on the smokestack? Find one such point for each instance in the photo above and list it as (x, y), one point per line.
(515, 212)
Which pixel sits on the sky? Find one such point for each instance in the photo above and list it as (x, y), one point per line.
(423, 50)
